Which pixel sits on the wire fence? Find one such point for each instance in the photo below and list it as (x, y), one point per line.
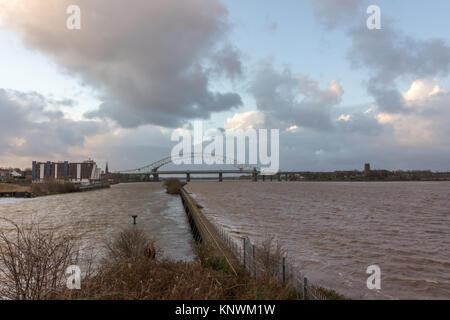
(269, 259)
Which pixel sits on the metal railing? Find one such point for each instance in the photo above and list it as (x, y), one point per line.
(259, 261)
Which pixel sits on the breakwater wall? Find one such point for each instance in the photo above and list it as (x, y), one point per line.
(204, 231)
(246, 254)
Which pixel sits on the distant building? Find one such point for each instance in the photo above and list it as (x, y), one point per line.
(80, 172)
(4, 174)
(367, 169)
(10, 173)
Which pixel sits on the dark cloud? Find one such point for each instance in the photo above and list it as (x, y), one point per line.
(289, 99)
(29, 129)
(147, 59)
(227, 60)
(355, 121)
(390, 56)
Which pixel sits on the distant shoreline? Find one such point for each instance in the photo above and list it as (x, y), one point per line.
(45, 189)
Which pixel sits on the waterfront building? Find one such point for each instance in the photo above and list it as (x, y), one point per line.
(10, 173)
(79, 172)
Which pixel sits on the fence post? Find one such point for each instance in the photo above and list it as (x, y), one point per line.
(243, 251)
(254, 261)
(305, 288)
(284, 270)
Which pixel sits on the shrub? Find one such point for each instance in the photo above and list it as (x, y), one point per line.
(173, 185)
(53, 187)
(33, 262)
(130, 244)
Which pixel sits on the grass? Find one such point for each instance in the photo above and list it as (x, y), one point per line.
(173, 185)
(7, 187)
(331, 294)
(126, 276)
(41, 189)
(53, 187)
(33, 261)
(126, 272)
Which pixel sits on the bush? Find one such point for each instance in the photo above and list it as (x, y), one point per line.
(139, 278)
(270, 253)
(130, 245)
(33, 262)
(173, 185)
(53, 187)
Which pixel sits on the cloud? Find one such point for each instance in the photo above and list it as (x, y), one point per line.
(289, 99)
(227, 60)
(245, 120)
(423, 89)
(426, 121)
(344, 117)
(333, 13)
(388, 55)
(30, 128)
(391, 57)
(148, 60)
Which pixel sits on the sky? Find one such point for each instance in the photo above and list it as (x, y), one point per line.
(116, 89)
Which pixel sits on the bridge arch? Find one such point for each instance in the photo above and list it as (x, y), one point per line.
(153, 167)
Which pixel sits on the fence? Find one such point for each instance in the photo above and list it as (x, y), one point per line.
(269, 259)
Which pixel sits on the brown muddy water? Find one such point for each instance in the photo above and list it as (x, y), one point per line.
(334, 231)
(95, 217)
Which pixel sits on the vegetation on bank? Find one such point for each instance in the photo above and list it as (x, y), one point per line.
(8, 187)
(42, 189)
(53, 187)
(35, 262)
(128, 273)
(173, 185)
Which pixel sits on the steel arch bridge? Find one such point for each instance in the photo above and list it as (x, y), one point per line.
(153, 167)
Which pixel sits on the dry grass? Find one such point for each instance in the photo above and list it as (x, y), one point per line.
(167, 280)
(130, 245)
(53, 187)
(36, 262)
(33, 262)
(7, 187)
(128, 274)
(173, 185)
(269, 254)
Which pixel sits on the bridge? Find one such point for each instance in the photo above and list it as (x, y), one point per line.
(152, 170)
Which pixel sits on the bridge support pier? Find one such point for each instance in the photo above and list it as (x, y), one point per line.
(220, 176)
(156, 177)
(279, 177)
(188, 177)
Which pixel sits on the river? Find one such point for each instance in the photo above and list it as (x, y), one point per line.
(334, 231)
(95, 217)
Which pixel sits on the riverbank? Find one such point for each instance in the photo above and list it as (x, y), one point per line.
(126, 277)
(92, 220)
(334, 230)
(45, 189)
(127, 271)
(267, 259)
